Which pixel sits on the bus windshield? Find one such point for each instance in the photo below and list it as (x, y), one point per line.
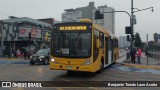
(75, 44)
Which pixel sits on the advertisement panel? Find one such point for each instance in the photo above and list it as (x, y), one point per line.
(24, 32)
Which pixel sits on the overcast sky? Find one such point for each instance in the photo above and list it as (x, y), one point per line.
(147, 22)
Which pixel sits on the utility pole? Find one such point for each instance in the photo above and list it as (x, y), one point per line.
(133, 18)
(147, 50)
(132, 26)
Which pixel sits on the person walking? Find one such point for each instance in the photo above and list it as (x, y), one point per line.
(127, 55)
(139, 53)
(25, 54)
(29, 54)
(15, 53)
(133, 55)
(9, 53)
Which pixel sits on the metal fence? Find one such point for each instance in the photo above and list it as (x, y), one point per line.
(155, 55)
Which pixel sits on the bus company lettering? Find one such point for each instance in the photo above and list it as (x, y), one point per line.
(14, 84)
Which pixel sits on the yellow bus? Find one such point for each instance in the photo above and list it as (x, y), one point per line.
(82, 46)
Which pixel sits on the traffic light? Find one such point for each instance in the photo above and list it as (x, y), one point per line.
(128, 30)
(98, 15)
(29, 35)
(128, 38)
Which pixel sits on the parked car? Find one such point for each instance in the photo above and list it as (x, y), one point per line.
(41, 56)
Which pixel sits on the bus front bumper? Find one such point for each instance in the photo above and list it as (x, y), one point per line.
(85, 68)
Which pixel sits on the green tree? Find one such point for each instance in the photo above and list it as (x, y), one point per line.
(155, 37)
(138, 42)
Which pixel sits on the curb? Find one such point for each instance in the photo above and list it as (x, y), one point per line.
(141, 66)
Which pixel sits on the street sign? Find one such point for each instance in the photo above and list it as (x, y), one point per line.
(134, 19)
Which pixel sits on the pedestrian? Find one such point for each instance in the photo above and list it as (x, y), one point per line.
(29, 54)
(133, 55)
(9, 53)
(127, 55)
(139, 53)
(15, 53)
(25, 54)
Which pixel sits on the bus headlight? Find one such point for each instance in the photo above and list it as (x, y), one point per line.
(87, 62)
(52, 60)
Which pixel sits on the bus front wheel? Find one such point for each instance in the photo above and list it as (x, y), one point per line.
(101, 67)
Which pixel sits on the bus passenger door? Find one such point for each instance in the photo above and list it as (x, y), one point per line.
(112, 49)
(109, 50)
(106, 50)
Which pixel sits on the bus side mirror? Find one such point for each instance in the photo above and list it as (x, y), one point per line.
(97, 43)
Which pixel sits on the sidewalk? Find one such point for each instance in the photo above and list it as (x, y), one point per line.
(152, 63)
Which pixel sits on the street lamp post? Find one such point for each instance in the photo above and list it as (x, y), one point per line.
(132, 19)
(132, 27)
(130, 22)
(121, 11)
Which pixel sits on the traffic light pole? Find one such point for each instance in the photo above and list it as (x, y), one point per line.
(132, 26)
(131, 20)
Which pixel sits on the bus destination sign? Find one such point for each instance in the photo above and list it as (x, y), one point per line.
(72, 28)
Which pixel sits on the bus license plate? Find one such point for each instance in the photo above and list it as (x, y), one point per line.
(68, 67)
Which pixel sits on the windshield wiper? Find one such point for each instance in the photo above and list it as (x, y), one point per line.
(78, 35)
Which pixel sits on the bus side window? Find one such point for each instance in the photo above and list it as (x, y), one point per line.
(95, 49)
(101, 40)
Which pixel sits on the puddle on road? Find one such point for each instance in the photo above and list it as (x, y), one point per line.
(127, 68)
(112, 67)
(13, 62)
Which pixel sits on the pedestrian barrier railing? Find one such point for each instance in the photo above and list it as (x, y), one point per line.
(153, 55)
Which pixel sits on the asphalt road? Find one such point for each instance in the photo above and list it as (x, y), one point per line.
(26, 72)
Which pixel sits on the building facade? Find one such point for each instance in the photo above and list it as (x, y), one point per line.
(71, 15)
(88, 12)
(108, 21)
(14, 33)
(123, 43)
(74, 15)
